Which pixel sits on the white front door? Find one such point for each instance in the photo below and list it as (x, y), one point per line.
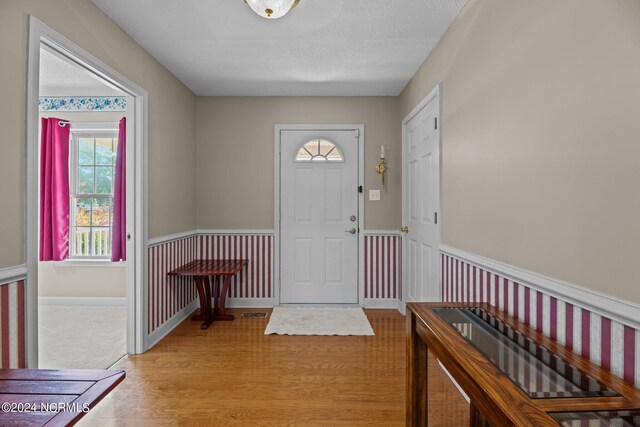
(319, 218)
(421, 168)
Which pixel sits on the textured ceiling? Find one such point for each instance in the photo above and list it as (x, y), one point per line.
(61, 78)
(322, 47)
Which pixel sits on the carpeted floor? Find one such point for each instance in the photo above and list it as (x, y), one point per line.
(81, 337)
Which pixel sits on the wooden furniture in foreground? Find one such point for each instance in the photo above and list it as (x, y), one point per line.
(33, 397)
(513, 374)
(202, 270)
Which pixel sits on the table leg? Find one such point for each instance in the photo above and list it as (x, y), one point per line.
(204, 295)
(215, 284)
(221, 300)
(476, 418)
(416, 375)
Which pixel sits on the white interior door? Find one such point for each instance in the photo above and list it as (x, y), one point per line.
(319, 218)
(422, 200)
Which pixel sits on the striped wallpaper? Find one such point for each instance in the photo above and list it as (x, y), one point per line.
(256, 281)
(606, 342)
(12, 329)
(168, 295)
(382, 267)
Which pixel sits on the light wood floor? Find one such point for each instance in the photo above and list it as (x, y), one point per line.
(232, 374)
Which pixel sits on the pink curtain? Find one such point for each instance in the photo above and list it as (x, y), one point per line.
(54, 190)
(119, 238)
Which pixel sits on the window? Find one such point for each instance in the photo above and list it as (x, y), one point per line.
(319, 150)
(92, 170)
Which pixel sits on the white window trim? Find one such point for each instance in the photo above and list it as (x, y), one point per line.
(92, 130)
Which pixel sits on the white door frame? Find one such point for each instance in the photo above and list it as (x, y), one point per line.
(435, 92)
(278, 129)
(42, 35)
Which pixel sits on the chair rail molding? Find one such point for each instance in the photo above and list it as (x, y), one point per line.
(171, 237)
(625, 312)
(382, 232)
(12, 274)
(234, 231)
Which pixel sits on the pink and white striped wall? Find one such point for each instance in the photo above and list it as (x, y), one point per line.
(12, 324)
(607, 342)
(168, 296)
(256, 281)
(382, 267)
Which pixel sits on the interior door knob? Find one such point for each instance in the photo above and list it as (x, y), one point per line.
(404, 229)
(352, 231)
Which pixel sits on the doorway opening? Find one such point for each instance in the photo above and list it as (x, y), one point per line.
(319, 214)
(86, 207)
(82, 310)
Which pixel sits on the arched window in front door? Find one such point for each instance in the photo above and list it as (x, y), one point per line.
(319, 150)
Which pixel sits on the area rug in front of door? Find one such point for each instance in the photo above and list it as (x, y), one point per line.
(318, 321)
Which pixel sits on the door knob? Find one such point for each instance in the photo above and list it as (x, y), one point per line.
(404, 229)
(352, 231)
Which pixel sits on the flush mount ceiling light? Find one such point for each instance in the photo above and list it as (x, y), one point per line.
(271, 9)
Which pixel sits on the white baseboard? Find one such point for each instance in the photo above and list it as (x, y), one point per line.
(402, 307)
(156, 336)
(250, 303)
(625, 312)
(381, 303)
(96, 301)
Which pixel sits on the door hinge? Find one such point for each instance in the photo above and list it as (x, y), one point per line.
(435, 217)
(357, 133)
(359, 188)
(435, 122)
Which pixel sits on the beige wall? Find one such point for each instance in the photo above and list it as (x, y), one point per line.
(58, 280)
(541, 128)
(171, 115)
(236, 158)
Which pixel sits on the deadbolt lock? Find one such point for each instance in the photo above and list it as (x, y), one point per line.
(353, 218)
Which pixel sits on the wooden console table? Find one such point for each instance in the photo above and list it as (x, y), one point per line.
(513, 374)
(204, 269)
(35, 397)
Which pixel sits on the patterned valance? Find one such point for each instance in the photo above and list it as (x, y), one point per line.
(82, 103)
